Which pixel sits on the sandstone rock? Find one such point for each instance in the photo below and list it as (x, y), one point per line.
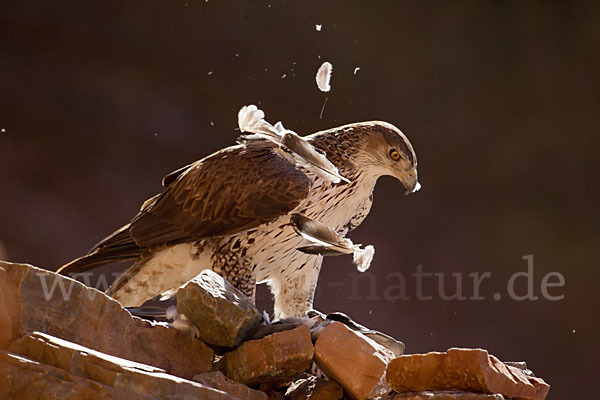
(39, 300)
(353, 360)
(219, 381)
(522, 365)
(5, 324)
(395, 346)
(471, 370)
(274, 358)
(314, 388)
(114, 372)
(445, 395)
(25, 379)
(222, 312)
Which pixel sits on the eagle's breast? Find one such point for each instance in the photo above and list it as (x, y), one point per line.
(272, 248)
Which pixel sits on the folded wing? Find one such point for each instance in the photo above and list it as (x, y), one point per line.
(233, 190)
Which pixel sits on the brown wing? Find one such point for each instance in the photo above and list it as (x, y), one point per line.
(233, 190)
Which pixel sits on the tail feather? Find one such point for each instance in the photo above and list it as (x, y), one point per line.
(117, 247)
(120, 237)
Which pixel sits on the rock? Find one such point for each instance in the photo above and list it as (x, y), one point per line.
(522, 365)
(314, 388)
(470, 370)
(395, 346)
(223, 313)
(353, 360)
(5, 324)
(272, 359)
(117, 373)
(445, 395)
(219, 381)
(39, 300)
(25, 379)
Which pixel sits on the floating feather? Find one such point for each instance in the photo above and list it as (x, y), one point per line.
(324, 76)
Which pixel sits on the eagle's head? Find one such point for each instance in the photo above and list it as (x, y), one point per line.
(387, 151)
(373, 149)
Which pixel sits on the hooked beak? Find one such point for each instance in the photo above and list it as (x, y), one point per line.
(410, 182)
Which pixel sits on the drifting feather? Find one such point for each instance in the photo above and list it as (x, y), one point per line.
(324, 76)
(326, 242)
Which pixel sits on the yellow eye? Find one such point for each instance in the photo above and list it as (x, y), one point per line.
(394, 154)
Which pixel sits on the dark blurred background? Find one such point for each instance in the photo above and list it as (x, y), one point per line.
(501, 100)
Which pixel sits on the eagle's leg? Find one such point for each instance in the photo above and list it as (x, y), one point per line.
(294, 293)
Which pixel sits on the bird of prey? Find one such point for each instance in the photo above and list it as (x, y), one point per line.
(232, 212)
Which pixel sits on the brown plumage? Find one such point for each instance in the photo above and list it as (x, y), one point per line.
(231, 212)
(216, 196)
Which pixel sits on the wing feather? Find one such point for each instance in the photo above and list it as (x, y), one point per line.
(230, 191)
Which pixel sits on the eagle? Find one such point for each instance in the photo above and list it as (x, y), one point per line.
(234, 211)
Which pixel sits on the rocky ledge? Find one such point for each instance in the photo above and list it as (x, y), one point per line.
(60, 339)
